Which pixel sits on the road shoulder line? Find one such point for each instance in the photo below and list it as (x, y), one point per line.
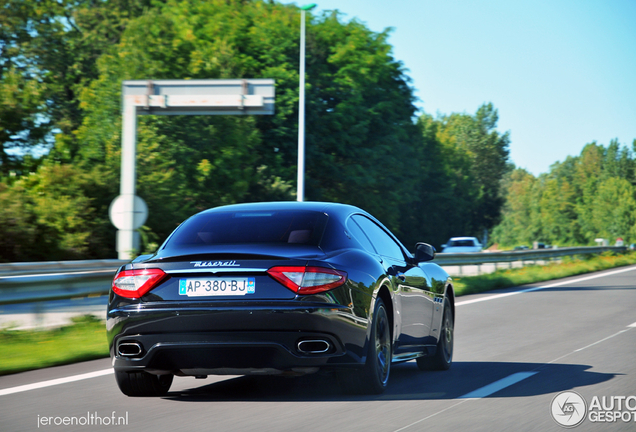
(581, 279)
(49, 383)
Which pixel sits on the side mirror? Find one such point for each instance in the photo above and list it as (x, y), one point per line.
(424, 252)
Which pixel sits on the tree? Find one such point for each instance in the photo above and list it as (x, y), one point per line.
(433, 213)
(487, 151)
(48, 53)
(557, 212)
(587, 174)
(48, 216)
(359, 110)
(361, 138)
(580, 199)
(518, 223)
(359, 116)
(613, 209)
(471, 158)
(21, 125)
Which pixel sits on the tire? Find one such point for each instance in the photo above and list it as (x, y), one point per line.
(143, 383)
(374, 376)
(443, 357)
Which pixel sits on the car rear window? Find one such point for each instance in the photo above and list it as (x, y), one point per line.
(461, 243)
(215, 228)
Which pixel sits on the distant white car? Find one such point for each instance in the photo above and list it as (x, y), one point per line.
(462, 245)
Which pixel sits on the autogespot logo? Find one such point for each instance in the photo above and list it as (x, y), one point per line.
(568, 409)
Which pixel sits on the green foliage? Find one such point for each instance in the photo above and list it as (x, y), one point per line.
(359, 112)
(482, 154)
(51, 48)
(20, 125)
(583, 198)
(360, 136)
(614, 209)
(570, 266)
(24, 350)
(49, 216)
(457, 187)
(61, 67)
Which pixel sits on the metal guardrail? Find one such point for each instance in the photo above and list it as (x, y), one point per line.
(461, 259)
(55, 280)
(46, 281)
(24, 268)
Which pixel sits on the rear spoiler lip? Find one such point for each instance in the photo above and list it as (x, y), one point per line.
(243, 252)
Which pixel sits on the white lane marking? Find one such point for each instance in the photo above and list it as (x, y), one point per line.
(432, 415)
(602, 340)
(479, 393)
(54, 382)
(496, 296)
(497, 385)
(475, 395)
(590, 345)
(510, 380)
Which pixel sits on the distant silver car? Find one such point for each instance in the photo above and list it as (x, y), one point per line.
(462, 245)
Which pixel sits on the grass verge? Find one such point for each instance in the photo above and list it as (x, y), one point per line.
(85, 338)
(22, 350)
(570, 266)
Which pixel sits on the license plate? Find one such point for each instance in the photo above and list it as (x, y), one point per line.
(224, 286)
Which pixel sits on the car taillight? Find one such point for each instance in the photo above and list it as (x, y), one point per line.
(136, 283)
(308, 280)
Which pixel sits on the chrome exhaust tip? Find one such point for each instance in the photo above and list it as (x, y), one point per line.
(129, 349)
(313, 346)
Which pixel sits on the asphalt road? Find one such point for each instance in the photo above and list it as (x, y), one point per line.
(514, 354)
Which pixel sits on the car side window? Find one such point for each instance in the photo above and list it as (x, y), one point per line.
(382, 242)
(360, 236)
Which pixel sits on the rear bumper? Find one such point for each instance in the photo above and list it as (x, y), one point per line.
(237, 340)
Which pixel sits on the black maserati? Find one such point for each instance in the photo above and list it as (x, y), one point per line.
(284, 288)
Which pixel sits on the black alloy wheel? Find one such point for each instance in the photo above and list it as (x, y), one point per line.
(382, 341)
(443, 357)
(374, 377)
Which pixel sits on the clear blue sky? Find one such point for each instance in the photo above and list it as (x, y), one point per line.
(561, 73)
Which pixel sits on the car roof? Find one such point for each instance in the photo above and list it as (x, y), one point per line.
(463, 238)
(323, 207)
